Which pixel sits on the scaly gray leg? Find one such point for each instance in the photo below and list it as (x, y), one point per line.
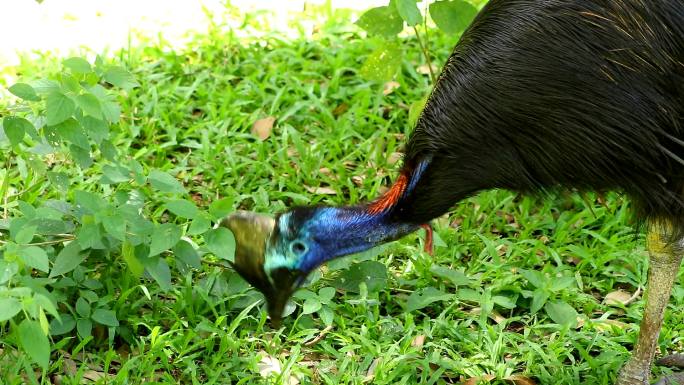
(664, 262)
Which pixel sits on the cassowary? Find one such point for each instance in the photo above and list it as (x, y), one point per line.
(537, 95)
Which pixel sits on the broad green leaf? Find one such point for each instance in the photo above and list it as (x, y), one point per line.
(182, 208)
(34, 342)
(15, 128)
(164, 237)
(7, 270)
(165, 182)
(81, 156)
(90, 202)
(372, 273)
(72, 131)
(452, 16)
(456, 277)
(311, 305)
(67, 324)
(84, 327)
(424, 297)
(58, 108)
(105, 317)
(119, 77)
(89, 295)
(9, 307)
(383, 63)
(184, 252)
(326, 294)
(44, 302)
(505, 301)
(83, 307)
(67, 259)
(408, 10)
(221, 243)
(469, 295)
(113, 174)
(133, 263)
(115, 226)
(111, 111)
(384, 21)
(25, 235)
(199, 225)
(561, 313)
(220, 208)
(42, 319)
(327, 315)
(90, 105)
(89, 236)
(78, 65)
(24, 91)
(536, 278)
(560, 283)
(305, 294)
(35, 257)
(96, 129)
(108, 151)
(159, 270)
(59, 180)
(45, 86)
(538, 300)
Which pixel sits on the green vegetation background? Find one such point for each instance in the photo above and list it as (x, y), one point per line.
(119, 158)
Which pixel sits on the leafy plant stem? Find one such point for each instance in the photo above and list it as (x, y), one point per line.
(46, 243)
(5, 187)
(423, 48)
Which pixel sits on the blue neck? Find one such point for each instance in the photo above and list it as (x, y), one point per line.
(341, 231)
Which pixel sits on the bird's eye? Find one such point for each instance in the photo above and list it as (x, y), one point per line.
(298, 247)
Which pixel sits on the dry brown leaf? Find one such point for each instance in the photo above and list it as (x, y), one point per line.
(425, 70)
(358, 180)
(70, 367)
(519, 379)
(390, 87)
(341, 109)
(93, 376)
(573, 260)
(394, 157)
(268, 365)
(262, 127)
(497, 317)
(320, 190)
(418, 341)
(478, 380)
(618, 297)
(370, 375)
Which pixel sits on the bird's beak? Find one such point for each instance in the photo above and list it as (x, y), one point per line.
(253, 234)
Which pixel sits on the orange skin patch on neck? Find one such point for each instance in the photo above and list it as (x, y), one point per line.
(391, 197)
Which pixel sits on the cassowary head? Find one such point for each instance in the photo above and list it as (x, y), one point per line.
(275, 255)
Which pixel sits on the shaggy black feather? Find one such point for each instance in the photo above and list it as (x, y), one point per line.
(546, 94)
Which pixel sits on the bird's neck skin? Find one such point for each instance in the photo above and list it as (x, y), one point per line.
(348, 230)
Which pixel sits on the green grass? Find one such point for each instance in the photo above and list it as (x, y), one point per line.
(192, 117)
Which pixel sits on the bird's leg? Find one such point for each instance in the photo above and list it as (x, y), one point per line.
(664, 262)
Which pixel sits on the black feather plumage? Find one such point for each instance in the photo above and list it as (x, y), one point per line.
(545, 94)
